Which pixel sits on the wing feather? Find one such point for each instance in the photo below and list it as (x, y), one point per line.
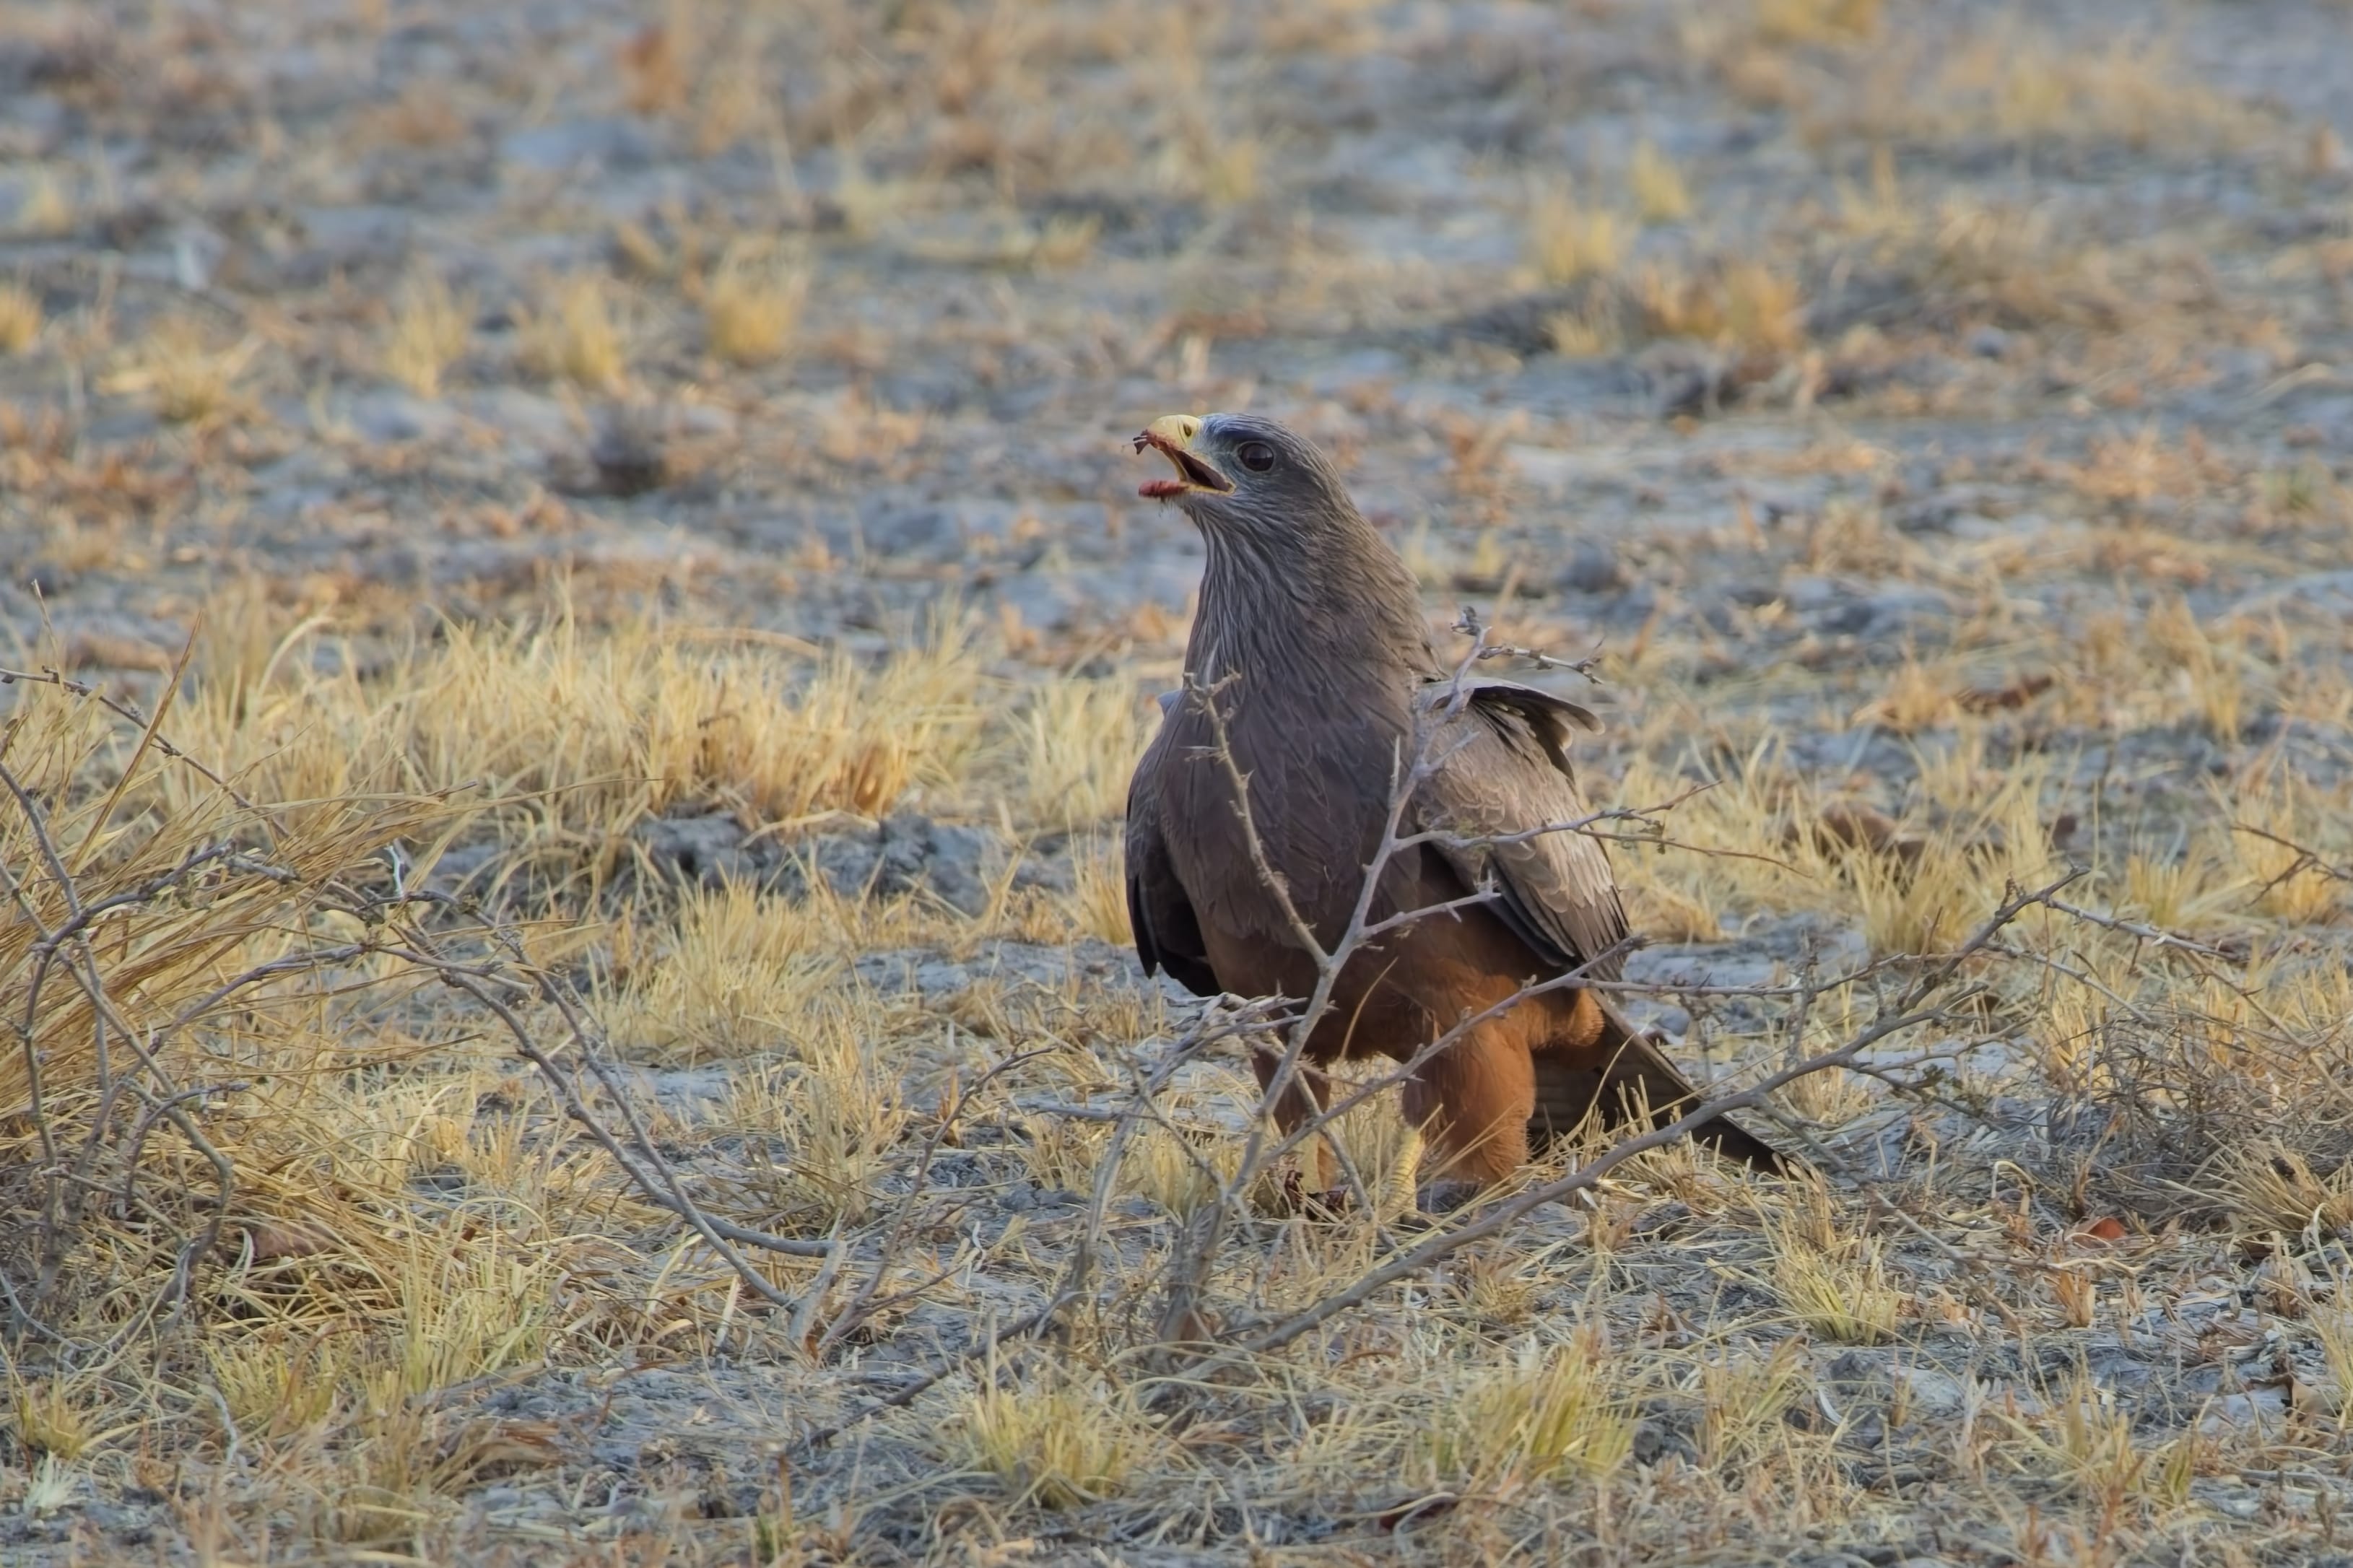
(1505, 770)
(1168, 932)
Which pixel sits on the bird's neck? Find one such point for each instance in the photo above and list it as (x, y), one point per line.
(1342, 619)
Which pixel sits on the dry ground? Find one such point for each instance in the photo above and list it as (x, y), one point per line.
(651, 474)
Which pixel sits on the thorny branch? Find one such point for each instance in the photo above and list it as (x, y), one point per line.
(1931, 996)
(47, 675)
(1190, 1264)
(1470, 626)
(495, 981)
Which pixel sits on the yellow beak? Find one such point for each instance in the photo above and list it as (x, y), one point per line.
(1172, 436)
(1175, 428)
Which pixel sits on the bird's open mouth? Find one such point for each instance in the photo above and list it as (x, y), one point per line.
(1172, 436)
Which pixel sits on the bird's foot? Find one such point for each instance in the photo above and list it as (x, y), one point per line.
(1329, 1204)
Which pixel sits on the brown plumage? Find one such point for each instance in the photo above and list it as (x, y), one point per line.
(1309, 631)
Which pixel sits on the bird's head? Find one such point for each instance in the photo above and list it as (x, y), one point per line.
(1244, 474)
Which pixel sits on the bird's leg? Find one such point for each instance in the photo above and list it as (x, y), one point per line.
(1309, 1091)
(1473, 1103)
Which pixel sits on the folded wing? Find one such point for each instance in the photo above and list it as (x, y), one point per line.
(1503, 773)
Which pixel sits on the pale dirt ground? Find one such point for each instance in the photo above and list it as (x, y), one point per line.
(699, 428)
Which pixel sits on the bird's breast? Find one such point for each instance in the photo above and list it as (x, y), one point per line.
(1319, 775)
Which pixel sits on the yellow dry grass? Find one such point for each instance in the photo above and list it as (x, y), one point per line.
(826, 1076)
(20, 319)
(1568, 239)
(428, 332)
(1661, 193)
(580, 335)
(575, 733)
(751, 306)
(2070, 1292)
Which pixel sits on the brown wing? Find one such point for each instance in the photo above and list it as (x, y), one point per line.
(1168, 932)
(1505, 770)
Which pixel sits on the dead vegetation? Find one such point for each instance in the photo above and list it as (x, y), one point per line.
(524, 556)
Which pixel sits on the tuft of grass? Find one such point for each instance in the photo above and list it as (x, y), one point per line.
(1060, 1446)
(1928, 902)
(1060, 1156)
(1661, 194)
(274, 1388)
(2207, 671)
(54, 1418)
(429, 330)
(1592, 330)
(1743, 1400)
(565, 729)
(836, 1112)
(741, 971)
(578, 337)
(1064, 243)
(1549, 1413)
(2024, 85)
(2332, 1328)
(2273, 1187)
(1567, 241)
(469, 1306)
(1743, 304)
(2087, 1441)
(1171, 1172)
(1098, 901)
(1080, 738)
(1831, 1279)
(20, 318)
(1817, 21)
(1229, 169)
(187, 378)
(751, 305)
(46, 209)
(2190, 892)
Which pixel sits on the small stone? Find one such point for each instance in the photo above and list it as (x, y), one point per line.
(388, 415)
(629, 454)
(700, 851)
(1930, 1390)
(2263, 1407)
(1593, 568)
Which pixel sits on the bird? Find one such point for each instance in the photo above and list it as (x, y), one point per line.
(1312, 688)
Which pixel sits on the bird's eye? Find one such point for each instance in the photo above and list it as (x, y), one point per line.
(1256, 456)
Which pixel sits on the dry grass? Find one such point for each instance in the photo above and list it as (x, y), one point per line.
(2024, 85)
(826, 1078)
(2014, 556)
(1660, 191)
(1817, 21)
(1743, 304)
(617, 726)
(429, 330)
(1057, 1447)
(751, 306)
(1546, 1414)
(1080, 740)
(20, 319)
(579, 336)
(186, 369)
(1568, 239)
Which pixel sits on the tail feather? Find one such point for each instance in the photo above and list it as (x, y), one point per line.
(1626, 1077)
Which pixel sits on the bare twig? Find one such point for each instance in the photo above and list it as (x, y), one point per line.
(50, 676)
(1907, 1012)
(1469, 624)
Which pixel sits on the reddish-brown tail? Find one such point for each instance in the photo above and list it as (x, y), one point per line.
(1629, 1079)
